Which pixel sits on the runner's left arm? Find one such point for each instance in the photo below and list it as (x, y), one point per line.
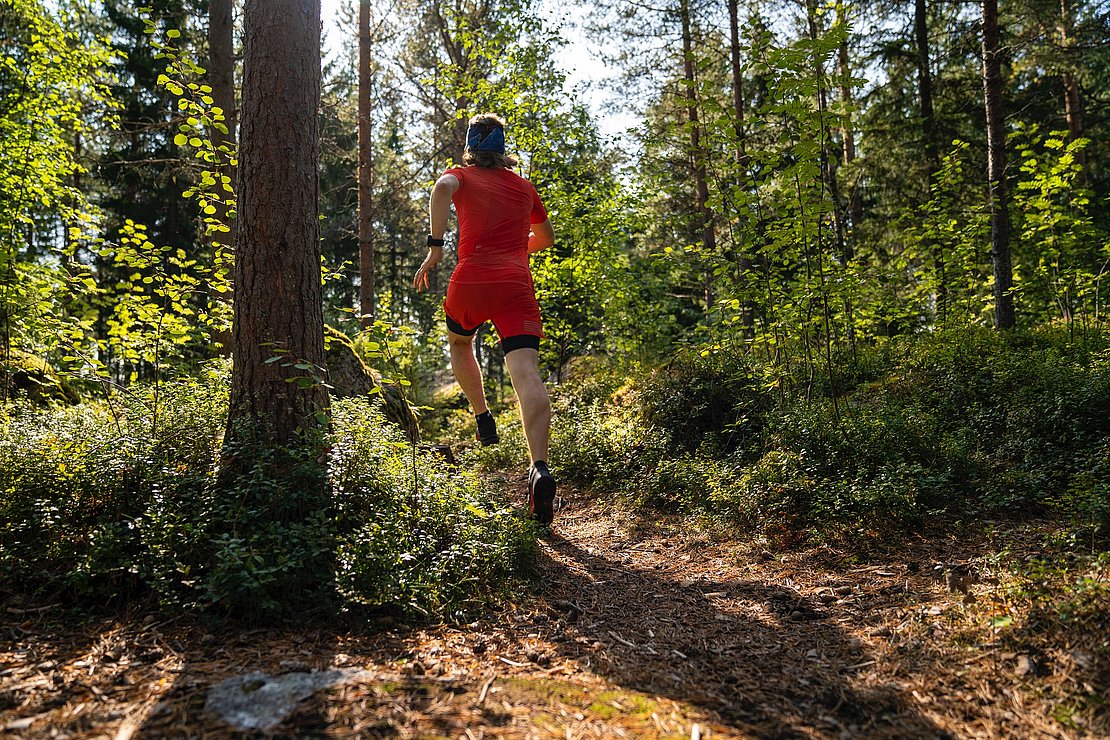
(542, 236)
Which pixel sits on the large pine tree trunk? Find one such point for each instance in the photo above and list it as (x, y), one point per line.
(278, 308)
(365, 169)
(697, 152)
(996, 168)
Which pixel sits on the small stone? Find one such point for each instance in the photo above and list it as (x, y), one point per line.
(258, 701)
(1024, 665)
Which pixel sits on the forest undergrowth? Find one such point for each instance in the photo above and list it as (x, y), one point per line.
(970, 465)
(109, 500)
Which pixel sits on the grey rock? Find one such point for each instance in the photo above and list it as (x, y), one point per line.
(259, 701)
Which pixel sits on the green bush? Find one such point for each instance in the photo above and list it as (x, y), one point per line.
(419, 538)
(101, 503)
(712, 402)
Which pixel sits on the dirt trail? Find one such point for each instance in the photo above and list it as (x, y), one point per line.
(639, 630)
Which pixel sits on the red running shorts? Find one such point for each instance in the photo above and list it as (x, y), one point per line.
(512, 307)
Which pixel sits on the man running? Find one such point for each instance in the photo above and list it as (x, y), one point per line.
(501, 222)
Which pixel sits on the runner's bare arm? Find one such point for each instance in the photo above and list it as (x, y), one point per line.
(542, 236)
(439, 209)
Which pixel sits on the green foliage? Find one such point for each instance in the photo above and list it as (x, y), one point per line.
(1065, 252)
(53, 85)
(942, 253)
(199, 120)
(98, 508)
(153, 320)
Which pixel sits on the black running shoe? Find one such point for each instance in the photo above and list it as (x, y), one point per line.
(541, 493)
(487, 429)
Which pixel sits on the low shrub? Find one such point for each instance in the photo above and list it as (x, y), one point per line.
(960, 422)
(101, 504)
(712, 402)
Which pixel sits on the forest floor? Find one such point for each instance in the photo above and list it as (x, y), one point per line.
(639, 628)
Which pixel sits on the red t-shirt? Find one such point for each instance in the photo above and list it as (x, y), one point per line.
(496, 208)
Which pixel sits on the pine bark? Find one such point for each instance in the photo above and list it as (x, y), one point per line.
(1002, 267)
(365, 168)
(278, 307)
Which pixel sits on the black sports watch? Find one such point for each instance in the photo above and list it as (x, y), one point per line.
(433, 242)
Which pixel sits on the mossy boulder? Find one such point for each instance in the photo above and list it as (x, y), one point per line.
(28, 375)
(349, 376)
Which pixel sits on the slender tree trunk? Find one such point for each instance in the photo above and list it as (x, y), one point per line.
(365, 169)
(847, 135)
(925, 85)
(221, 75)
(844, 250)
(1073, 101)
(996, 168)
(929, 137)
(737, 86)
(697, 153)
(278, 306)
(748, 305)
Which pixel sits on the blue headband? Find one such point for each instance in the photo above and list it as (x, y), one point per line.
(494, 141)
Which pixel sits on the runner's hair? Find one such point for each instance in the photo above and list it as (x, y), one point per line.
(484, 123)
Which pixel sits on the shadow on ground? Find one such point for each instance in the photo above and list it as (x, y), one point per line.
(764, 659)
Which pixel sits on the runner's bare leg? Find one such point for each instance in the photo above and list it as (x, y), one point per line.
(467, 373)
(535, 406)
